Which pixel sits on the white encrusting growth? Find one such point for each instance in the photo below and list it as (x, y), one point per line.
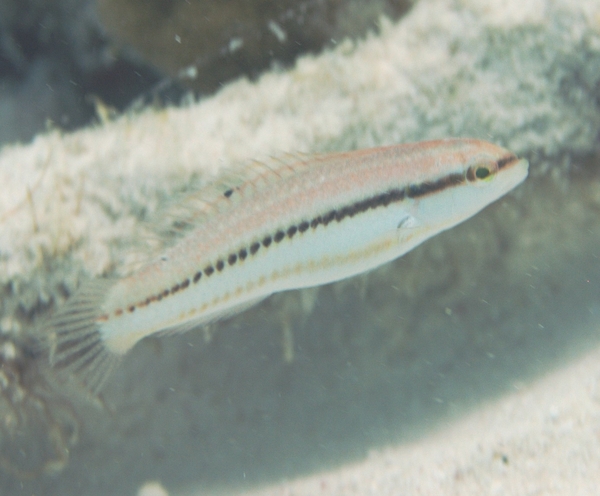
(299, 222)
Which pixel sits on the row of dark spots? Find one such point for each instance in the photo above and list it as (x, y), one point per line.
(384, 199)
(243, 253)
(158, 297)
(381, 200)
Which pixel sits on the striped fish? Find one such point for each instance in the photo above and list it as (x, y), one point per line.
(300, 222)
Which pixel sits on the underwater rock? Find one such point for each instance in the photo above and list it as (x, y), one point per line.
(45, 48)
(222, 40)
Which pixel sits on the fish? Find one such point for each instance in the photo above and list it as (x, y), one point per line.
(294, 222)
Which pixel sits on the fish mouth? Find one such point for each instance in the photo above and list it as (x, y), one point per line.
(522, 166)
(511, 172)
(514, 167)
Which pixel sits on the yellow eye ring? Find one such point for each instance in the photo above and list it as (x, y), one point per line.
(480, 172)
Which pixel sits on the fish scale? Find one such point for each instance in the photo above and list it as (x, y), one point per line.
(297, 222)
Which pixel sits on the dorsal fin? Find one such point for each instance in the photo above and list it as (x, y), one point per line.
(192, 209)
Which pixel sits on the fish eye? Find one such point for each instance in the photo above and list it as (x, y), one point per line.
(482, 172)
(479, 172)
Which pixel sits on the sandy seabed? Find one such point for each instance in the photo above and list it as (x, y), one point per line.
(542, 439)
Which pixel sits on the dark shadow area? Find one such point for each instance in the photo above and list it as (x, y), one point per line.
(70, 63)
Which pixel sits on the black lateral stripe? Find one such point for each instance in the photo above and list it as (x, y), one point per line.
(393, 195)
(426, 188)
(504, 161)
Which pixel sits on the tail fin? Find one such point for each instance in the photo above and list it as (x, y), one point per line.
(76, 345)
